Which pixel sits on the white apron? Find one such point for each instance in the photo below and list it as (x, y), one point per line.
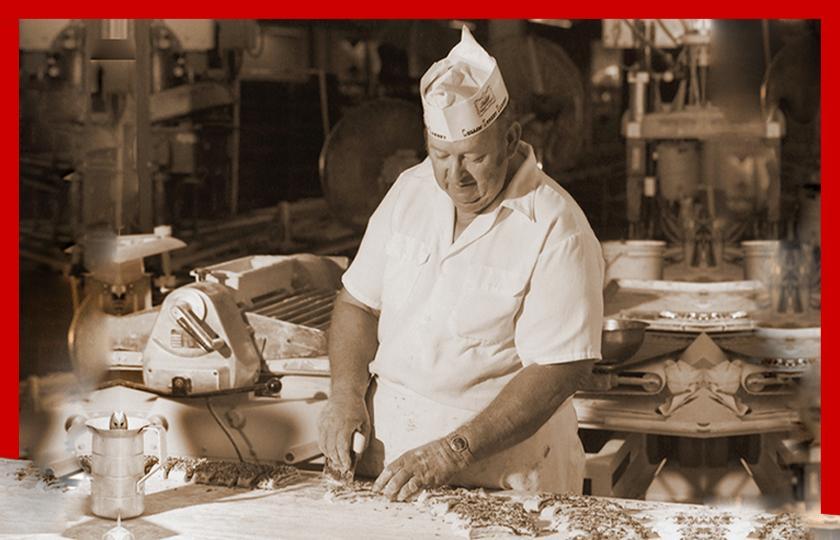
(550, 460)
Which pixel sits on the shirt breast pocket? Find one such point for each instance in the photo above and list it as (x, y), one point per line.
(406, 257)
(488, 304)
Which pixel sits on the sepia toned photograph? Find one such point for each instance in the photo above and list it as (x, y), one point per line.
(438, 278)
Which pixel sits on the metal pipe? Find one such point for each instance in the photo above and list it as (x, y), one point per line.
(301, 306)
(302, 452)
(64, 467)
(159, 184)
(265, 301)
(648, 44)
(55, 263)
(273, 302)
(668, 32)
(181, 260)
(765, 35)
(638, 94)
(246, 221)
(322, 94)
(315, 315)
(649, 382)
(692, 73)
(320, 322)
(310, 311)
(288, 311)
(143, 72)
(235, 140)
(301, 312)
(271, 299)
(157, 71)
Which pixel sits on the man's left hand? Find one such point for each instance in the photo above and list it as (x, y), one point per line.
(430, 465)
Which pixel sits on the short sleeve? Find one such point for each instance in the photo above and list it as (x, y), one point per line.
(363, 279)
(562, 312)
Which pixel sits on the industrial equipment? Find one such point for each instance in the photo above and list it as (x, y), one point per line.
(693, 173)
(711, 381)
(233, 365)
(711, 340)
(129, 125)
(731, 336)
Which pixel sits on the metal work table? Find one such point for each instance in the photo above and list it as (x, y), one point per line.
(33, 509)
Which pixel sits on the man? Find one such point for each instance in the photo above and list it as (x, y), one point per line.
(475, 301)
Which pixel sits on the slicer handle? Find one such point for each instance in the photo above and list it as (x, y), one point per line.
(186, 319)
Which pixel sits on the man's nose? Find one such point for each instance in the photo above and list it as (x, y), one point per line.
(455, 169)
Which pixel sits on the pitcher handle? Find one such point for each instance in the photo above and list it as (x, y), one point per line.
(161, 432)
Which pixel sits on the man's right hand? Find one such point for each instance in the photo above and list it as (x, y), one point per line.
(341, 417)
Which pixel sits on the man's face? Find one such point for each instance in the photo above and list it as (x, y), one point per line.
(473, 171)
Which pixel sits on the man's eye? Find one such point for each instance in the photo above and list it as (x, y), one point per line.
(478, 159)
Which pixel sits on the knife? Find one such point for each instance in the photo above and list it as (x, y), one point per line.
(333, 471)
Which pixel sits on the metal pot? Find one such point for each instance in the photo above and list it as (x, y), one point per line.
(620, 339)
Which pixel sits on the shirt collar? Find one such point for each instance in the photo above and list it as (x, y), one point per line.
(519, 194)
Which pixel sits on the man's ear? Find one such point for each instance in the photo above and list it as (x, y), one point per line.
(512, 137)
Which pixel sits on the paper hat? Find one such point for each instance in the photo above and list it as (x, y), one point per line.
(463, 93)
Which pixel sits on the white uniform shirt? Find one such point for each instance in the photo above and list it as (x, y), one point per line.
(521, 284)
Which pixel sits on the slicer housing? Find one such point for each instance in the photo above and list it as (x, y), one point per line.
(201, 342)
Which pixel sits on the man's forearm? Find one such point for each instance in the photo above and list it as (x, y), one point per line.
(525, 403)
(351, 346)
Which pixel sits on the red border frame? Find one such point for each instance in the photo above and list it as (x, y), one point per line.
(9, 276)
(9, 330)
(829, 228)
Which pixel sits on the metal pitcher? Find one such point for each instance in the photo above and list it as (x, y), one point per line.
(118, 464)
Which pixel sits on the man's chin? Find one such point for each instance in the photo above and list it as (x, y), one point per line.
(478, 205)
(472, 207)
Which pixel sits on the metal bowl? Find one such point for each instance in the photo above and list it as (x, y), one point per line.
(620, 339)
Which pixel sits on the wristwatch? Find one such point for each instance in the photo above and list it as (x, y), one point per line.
(459, 444)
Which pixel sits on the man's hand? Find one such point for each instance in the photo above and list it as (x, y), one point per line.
(341, 417)
(430, 465)
(525, 403)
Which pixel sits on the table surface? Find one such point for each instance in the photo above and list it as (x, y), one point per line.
(33, 508)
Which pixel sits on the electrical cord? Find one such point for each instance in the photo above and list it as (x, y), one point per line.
(224, 429)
